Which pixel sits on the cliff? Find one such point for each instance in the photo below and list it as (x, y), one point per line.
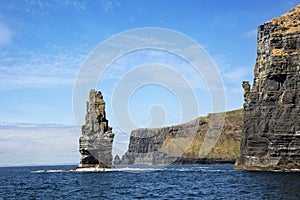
(271, 133)
(95, 144)
(181, 144)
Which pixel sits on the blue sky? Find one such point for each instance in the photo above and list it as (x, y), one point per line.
(44, 43)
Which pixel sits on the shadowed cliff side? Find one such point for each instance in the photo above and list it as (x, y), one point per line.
(180, 144)
(271, 133)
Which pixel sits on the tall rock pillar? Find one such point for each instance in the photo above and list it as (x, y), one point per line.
(95, 144)
(271, 133)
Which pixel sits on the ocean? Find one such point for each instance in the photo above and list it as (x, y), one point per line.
(147, 182)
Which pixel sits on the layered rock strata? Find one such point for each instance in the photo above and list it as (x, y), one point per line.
(95, 144)
(271, 133)
(181, 144)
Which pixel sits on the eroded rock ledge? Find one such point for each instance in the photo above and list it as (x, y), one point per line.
(95, 144)
(271, 133)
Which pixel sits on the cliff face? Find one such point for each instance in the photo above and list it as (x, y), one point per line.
(271, 133)
(95, 144)
(181, 144)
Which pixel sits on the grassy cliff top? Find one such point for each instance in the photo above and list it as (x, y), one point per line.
(289, 22)
(233, 114)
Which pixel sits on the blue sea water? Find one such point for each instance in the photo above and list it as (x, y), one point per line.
(147, 182)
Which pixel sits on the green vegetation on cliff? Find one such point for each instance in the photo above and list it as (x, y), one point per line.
(228, 144)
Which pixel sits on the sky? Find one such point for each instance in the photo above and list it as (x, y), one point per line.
(44, 44)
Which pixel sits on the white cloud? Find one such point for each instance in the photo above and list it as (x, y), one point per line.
(237, 75)
(232, 74)
(38, 146)
(5, 36)
(42, 144)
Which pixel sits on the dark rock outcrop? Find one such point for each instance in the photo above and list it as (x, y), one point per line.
(95, 144)
(271, 133)
(117, 160)
(181, 144)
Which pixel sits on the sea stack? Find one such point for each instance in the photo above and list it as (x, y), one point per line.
(271, 132)
(95, 144)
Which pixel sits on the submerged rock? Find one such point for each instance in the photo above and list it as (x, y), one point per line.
(271, 133)
(95, 144)
(117, 160)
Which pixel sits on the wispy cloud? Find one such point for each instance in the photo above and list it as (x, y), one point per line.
(232, 74)
(38, 70)
(250, 34)
(79, 5)
(237, 75)
(171, 65)
(110, 5)
(6, 36)
(38, 6)
(225, 19)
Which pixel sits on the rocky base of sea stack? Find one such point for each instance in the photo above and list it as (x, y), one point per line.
(96, 168)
